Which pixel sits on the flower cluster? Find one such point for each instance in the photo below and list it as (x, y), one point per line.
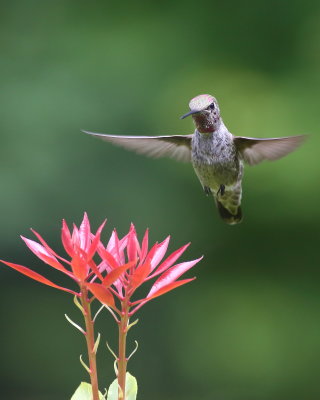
(142, 265)
(123, 264)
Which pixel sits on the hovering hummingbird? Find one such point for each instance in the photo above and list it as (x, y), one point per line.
(217, 156)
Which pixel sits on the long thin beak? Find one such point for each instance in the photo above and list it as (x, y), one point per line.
(189, 113)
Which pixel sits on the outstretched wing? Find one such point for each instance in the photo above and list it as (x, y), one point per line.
(254, 150)
(176, 146)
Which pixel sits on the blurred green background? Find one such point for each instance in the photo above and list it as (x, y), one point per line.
(249, 327)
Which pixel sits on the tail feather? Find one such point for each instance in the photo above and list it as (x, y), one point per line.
(227, 216)
(228, 204)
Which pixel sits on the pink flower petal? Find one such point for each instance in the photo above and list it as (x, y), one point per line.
(169, 261)
(84, 233)
(171, 275)
(166, 288)
(116, 247)
(102, 294)
(37, 277)
(139, 275)
(115, 274)
(108, 258)
(96, 240)
(66, 239)
(112, 241)
(144, 247)
(151, 253)
(95, 270)
(49, 249)
(159, 253)
(132, 248)
(44, 255)
(105, 266)
(79, 267)
(160, 292)
(75, 238)
(122, 244)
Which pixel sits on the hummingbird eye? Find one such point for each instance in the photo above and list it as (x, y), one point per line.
(211, 106)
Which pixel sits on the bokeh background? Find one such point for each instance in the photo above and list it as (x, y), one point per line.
(249, 327)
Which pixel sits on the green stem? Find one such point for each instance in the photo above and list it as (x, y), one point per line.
(122, 360)
(90, 343)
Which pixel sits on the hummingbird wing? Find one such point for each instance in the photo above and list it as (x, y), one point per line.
(175, 146)
(254, 150)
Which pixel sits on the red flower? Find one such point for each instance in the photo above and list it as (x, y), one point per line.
(145, 264)
(124, 264)
(81, 246)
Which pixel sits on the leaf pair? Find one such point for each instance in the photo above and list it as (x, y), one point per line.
(84, 391)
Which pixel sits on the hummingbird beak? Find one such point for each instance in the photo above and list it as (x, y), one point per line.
(189, 113)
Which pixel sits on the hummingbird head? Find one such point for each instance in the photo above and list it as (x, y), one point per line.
(205, 113)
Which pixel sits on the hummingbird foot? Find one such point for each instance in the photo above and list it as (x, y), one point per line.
(207, 190)
(221, 190)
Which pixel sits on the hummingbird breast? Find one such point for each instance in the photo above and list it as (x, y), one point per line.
(215, 160)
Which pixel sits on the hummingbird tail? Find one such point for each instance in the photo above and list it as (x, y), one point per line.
(227, 216)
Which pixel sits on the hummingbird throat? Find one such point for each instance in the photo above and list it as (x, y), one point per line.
(205, 124)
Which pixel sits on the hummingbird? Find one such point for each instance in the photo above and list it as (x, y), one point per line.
(217, 156)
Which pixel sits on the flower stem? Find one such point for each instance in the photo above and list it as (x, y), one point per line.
(90, 343)
(122, 360)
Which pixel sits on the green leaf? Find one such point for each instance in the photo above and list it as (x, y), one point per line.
(84, 392)
(131, 388)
